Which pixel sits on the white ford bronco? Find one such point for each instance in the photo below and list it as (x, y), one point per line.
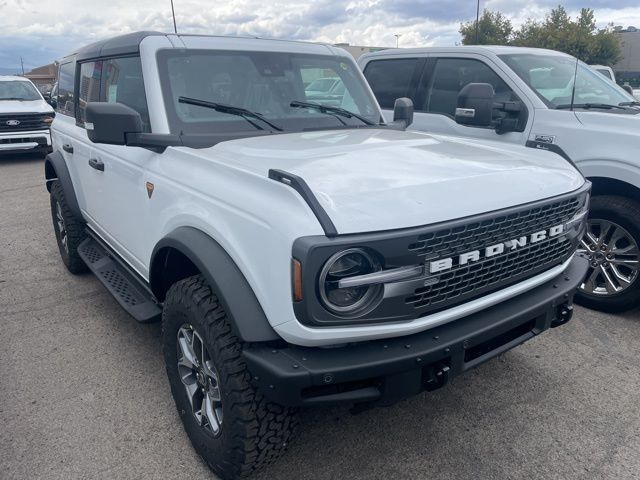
(25, 117)
(545, 100)
(298, 253)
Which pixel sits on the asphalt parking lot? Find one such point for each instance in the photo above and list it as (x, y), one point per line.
(83, 391)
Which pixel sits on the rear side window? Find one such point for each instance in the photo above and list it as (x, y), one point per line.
(65, 101)
(122, 82)
(451, 74)
(391, 79)
(89, 89)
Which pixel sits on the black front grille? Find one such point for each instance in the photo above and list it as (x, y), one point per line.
(434, 292)
(474, 279)
(26, 121)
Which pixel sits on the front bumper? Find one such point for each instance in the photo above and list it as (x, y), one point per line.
(386, 371)
(25, 141)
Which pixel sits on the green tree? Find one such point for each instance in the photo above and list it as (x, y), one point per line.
(557, 31)
(494, 29)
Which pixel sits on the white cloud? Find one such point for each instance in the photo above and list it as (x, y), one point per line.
(43, 30)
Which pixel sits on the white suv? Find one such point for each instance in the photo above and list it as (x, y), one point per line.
(532, 101)
(298, 254)
(25, 117)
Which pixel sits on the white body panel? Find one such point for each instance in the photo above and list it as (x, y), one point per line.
(581, 134)
(367, 180)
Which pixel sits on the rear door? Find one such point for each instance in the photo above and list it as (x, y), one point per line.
(67, 138)
(392, 78)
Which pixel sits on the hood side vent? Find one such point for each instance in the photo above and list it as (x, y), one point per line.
(300, 186)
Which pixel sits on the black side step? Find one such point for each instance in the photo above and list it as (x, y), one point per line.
(127, 289)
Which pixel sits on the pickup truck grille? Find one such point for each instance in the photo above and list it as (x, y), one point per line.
(474, 279)
(27, 121)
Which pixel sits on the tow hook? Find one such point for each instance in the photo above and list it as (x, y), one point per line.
(563, 315)
(436, 376)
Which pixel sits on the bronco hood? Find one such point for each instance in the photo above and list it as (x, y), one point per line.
(380, 179)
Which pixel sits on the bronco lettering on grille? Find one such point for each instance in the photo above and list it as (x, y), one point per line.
(443, 264)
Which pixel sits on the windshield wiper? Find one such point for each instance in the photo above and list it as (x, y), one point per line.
(330, 110)
(230, 109)
(629, 104)
(604, 106)
(14, 98)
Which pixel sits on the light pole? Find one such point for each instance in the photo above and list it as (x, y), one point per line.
(477, 22)
(173, 13)
(397, 35)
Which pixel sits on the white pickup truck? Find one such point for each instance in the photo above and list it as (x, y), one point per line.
(530, 100)
(25, 117)
(298, 253)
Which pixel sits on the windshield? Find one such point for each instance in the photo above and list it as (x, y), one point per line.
(18, 90)
(264, 83)
(552, 78)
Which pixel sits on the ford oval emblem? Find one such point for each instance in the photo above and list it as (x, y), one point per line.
(13, 123)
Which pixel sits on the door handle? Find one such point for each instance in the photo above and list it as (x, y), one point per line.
(97, 164)
(67, 147)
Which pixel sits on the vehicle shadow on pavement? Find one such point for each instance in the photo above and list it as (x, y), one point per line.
(12, 158)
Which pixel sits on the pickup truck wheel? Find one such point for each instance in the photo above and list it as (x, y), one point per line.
(69, 231)
(612, 244)
(230, 424)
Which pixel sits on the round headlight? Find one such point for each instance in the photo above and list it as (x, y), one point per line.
(348, 301)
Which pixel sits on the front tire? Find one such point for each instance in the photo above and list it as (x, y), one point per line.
(612, 244)
(69, 230)
(230, 424)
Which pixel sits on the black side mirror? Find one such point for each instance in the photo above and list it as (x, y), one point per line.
(475, 105)
(53, 102)
(111, 123)
(627, 88)
(403, 112)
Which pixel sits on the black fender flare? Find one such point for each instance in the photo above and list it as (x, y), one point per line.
(55, 168)
(244, 312)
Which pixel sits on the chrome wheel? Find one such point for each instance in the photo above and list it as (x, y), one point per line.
(62, 230)
(614, 258)
(200, 380)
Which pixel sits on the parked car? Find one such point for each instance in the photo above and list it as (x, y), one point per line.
(298, 254)
(530, 100)
(606, 71)
(321, 86)
(25, 117)
(335, 96)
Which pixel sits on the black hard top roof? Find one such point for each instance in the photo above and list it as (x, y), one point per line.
(122, 45)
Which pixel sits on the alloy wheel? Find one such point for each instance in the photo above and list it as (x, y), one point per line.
(200, 380)
(62, 230)
(614, 258)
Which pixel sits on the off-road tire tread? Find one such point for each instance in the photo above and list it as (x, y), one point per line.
(629, 209)
(262, 429)
(75, 227)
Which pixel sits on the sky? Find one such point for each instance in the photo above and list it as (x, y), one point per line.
(43, 30)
